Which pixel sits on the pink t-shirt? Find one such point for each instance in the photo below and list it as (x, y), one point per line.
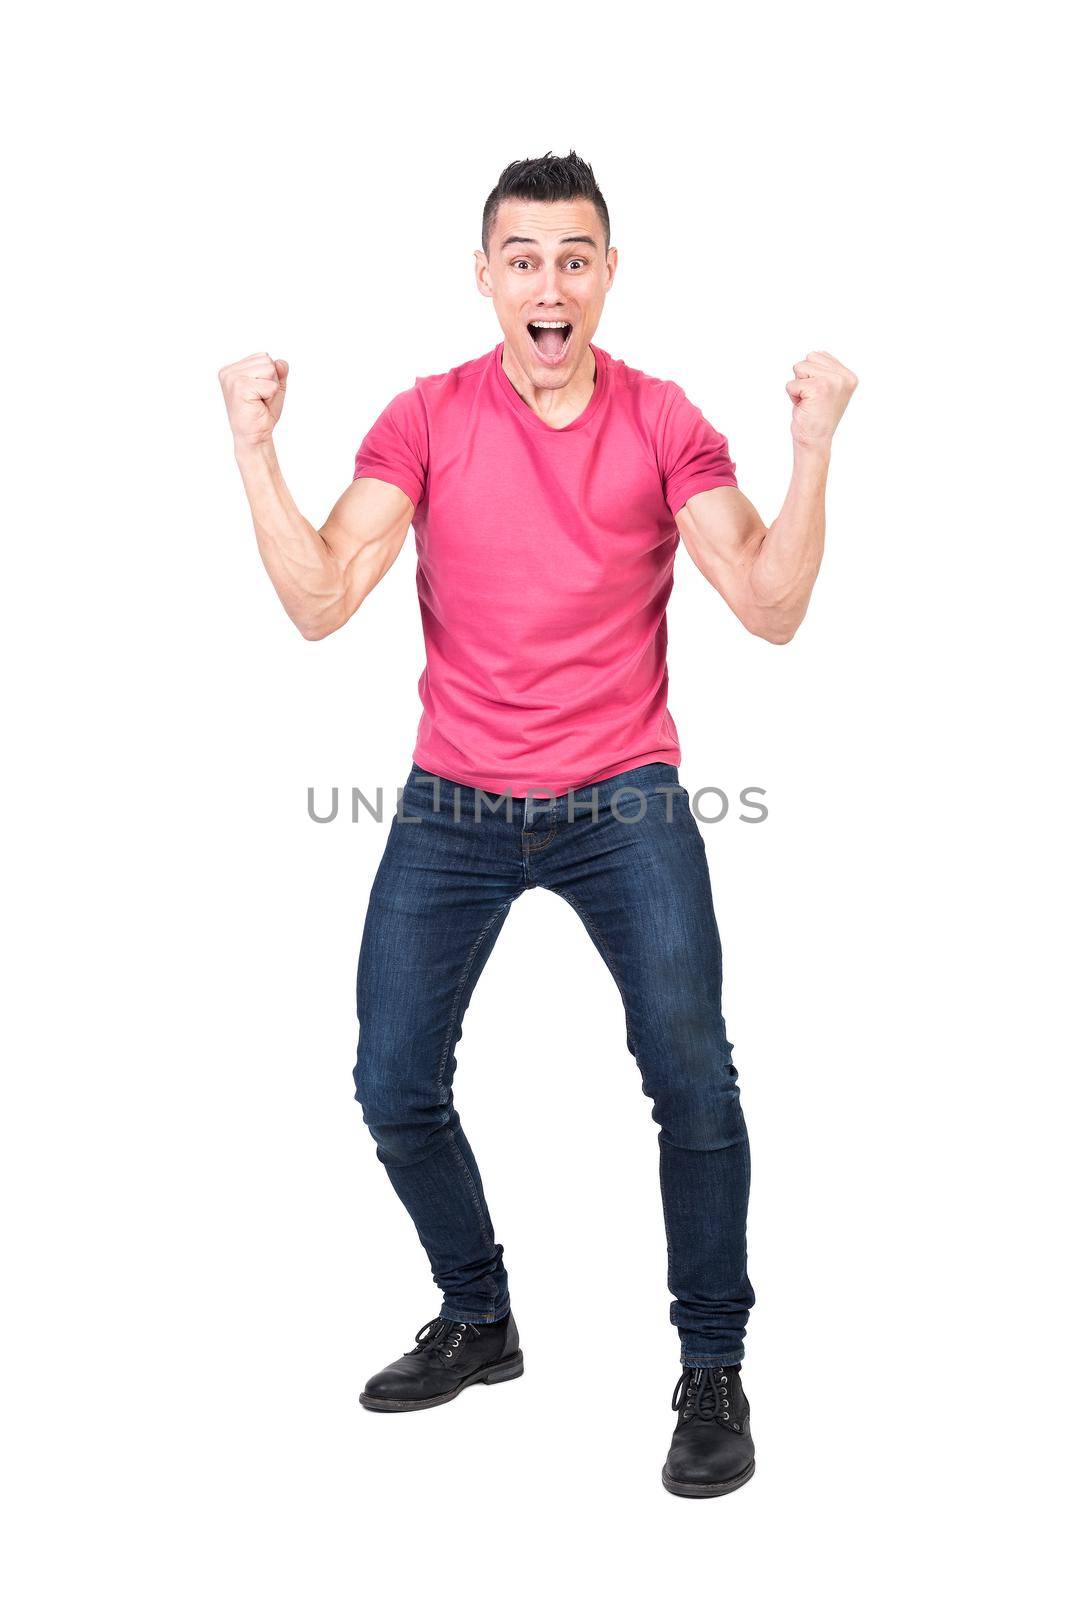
(545, 561)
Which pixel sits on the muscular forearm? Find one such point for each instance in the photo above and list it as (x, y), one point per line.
(784, 571)
(306, 574)
(322, 576)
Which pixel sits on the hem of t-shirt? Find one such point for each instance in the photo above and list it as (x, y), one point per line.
(692, 486)
(399, 480)
(669, 754)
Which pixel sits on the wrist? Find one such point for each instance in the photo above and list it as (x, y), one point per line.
(253, 449)
(817, 452)
(812, 463)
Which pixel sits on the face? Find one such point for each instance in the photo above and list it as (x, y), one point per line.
(547, 264)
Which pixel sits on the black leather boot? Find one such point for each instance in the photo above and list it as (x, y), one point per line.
(712, 1448)
(446, 1358)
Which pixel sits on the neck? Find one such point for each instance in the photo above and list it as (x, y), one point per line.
(559, 403)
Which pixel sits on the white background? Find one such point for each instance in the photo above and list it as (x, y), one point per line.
(203, 1259)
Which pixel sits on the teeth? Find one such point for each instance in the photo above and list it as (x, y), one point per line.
(550, 324)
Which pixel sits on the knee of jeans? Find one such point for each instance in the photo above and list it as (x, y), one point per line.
(701, 1116)
(402, 1112)
(696, 1100)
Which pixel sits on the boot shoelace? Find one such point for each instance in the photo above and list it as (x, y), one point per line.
(707, 1396)
(441, 1338)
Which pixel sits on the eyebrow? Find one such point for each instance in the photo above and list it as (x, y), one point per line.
(572, 238)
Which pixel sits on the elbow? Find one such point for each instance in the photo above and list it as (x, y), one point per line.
(332, 616)
(776, 630)
(313, 628)
(777, 622)
(776, 612)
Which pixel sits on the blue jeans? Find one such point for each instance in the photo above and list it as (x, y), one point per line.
(627, 854)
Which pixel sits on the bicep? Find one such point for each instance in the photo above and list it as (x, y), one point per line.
(722, 531)
(366, 530)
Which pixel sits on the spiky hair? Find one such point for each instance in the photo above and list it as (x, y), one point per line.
(548, 178)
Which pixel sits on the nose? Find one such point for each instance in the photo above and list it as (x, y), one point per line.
(550, 294)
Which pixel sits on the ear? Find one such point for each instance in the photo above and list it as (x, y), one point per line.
(483, 279)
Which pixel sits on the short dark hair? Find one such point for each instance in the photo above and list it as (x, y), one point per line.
(549, 178)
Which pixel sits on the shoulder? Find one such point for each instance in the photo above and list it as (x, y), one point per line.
(649, 403)
(649, 398)
(634, 380)
(669, 411)
(439, 388)
(429, 391)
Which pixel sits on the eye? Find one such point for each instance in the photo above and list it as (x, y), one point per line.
(520, 262)
(577, 259)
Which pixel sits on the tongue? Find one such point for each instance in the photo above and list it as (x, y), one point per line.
(551, 341)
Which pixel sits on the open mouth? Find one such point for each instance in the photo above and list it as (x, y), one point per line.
(550, 338)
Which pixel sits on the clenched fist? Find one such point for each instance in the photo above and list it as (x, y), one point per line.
(254, 391)
(820, 391)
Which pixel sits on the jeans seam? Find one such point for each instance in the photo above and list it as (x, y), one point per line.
(533, 844)
(461, 1162)
(598, 939)
(450, 1036)
(450, 1040)
(481, 1320)
(733, 1358)
(667, 1231)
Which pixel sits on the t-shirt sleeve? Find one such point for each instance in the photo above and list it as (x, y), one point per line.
(693, 456)
(396, 446)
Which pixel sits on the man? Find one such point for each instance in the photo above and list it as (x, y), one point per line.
(549, 485)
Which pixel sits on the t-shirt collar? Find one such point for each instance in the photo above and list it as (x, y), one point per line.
(530, 417)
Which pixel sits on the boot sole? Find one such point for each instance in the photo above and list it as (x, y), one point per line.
(501, 1373)
(706, 1491)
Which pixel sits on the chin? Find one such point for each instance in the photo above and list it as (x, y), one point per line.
(550, 377)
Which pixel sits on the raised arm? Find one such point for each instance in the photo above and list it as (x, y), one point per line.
(323, 576)
(766, 574)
